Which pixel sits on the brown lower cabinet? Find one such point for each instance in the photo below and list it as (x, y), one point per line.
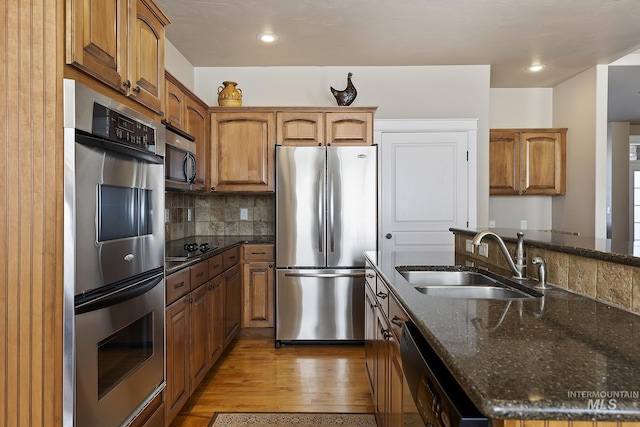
(258, 278)
(202, 318)
(383, 323)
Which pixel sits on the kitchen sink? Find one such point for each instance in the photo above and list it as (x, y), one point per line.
(447, 278)
(460, 282)
(472, 292)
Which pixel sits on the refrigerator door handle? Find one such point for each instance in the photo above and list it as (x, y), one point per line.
(320, 212)
(332, 240)
(325, 275)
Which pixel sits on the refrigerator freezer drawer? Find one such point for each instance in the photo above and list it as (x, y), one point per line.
(319, 305)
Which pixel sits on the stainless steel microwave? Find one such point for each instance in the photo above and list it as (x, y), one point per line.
(180, 161)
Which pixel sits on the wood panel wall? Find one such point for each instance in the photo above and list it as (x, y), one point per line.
(31, 210)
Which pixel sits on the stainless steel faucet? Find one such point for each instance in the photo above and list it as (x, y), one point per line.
(519, 267)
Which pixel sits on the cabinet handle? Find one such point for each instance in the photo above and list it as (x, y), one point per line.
(258, 253)
(216, 266)
(398, 321)
(270, 265)
(136, 89)
(200, 274)
(381, 295)
(373, 305)
(179, 285)
(385, 333)
(126, 83)
(213, 188)
(370, 276)
(232, 257)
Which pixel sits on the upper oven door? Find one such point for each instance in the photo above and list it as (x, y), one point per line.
(119, 201)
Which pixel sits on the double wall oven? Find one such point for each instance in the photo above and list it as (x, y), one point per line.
(114, 259)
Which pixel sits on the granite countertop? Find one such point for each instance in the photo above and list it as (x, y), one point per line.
(544, 358)
(222, 242)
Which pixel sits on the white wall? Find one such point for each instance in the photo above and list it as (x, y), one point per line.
(619, 149)
(398, 92)
(521, 108)
(574, 107)
(176, 64)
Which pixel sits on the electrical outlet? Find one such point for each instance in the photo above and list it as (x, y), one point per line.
(492, 223)
(244, 214)
(523, 224)
(189, 214)
(166, 215)
(469, 246)
(483, 250)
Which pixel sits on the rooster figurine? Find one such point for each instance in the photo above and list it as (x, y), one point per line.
(345, 97)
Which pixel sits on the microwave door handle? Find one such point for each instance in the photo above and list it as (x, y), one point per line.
(190, 158)
(185, 160)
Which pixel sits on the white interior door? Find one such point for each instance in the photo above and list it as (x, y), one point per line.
(424, 188)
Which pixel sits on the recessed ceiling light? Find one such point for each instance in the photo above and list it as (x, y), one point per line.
(535, 68)
(267, 37)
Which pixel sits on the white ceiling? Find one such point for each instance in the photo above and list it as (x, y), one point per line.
(569, 36)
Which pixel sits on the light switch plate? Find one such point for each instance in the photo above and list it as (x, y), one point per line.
(492, 223)
(166, 215)
(523, 224)
(244, 214)
(469, 246)
(189, 214)
(483, 249)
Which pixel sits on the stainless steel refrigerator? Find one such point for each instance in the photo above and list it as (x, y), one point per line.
(325, 220)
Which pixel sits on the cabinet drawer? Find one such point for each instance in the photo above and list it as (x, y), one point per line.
(215, 266)
(370, 277)
(230, 257)
(199, 274)
(257, 252)
(178, 284)
(383, 296)
(397, 317)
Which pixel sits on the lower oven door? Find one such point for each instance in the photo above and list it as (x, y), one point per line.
(119, 352)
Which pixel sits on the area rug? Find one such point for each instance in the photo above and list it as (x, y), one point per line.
(259, 419)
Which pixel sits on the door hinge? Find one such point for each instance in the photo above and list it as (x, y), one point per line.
(467, 155)
(467, 224)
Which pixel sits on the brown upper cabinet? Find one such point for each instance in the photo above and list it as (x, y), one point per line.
(527, 161)
(187, 112)
(242, 150)
(121, 44)
(317, 127)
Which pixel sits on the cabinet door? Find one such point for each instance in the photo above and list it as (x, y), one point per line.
(300, 129)
(349, 128)
(504, 163)
(177, 336)
(542, 156)
(258, 279)
(146, 68)
(174, 104)
(232, 303)
(381, 369)
(243, 147)
(370, 324)
(196, 126)
(199, 357)
(395, 409)
(97, 39)
(215, 310)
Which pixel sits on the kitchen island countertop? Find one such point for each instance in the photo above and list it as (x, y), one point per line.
(560, 357)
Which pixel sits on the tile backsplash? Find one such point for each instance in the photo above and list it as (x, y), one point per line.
(614, 283)
(219, 215)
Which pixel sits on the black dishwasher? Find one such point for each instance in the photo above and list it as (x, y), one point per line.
(439, 399)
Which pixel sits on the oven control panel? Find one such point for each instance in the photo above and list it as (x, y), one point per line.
(116, 126)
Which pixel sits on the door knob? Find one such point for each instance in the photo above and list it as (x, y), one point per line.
(389, 236)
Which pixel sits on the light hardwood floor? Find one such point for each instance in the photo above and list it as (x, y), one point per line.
(254, 376)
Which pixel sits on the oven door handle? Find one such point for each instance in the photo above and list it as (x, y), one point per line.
(122, 294)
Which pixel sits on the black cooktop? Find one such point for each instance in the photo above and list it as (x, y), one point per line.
(187, 248)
